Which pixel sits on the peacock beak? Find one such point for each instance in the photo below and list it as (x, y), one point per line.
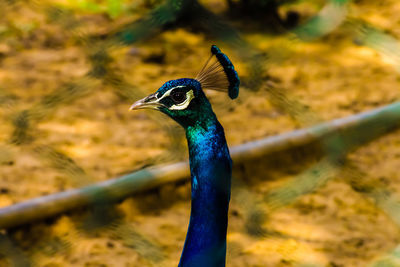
(149, 102)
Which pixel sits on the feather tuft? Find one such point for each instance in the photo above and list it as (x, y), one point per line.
(219, 74)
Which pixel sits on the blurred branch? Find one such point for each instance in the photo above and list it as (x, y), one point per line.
(329, 18)
(119, 188)
(383, 42)
(169, 12)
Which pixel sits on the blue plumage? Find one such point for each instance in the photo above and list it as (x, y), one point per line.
(233, 77)
(210, 167)
(210, 164)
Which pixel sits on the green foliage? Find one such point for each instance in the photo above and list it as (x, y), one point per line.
(261, 3)
(331, 16)
(113, 8)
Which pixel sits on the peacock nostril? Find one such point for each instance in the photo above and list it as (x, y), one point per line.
(150, 98)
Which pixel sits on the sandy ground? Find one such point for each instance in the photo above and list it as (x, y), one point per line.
(92, 136)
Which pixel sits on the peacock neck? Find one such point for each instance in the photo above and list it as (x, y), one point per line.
(211, 167)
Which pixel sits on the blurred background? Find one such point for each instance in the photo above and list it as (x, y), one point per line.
(70, 69)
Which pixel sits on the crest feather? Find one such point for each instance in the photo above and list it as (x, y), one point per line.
(219, 74)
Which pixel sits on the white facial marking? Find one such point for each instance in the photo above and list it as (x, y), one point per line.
(184, 104)
(167, 93)
(181, 106)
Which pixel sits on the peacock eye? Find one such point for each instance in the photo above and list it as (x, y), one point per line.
(178, 96)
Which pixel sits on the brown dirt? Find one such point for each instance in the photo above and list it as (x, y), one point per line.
(337, 225)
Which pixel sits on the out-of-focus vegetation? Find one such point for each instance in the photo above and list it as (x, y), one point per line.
(113, 8)
(70, 69)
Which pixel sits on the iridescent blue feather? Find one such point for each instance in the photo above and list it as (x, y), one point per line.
(230, 71)
(220, 74)
(210, 163)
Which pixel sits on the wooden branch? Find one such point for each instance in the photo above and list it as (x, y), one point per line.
(356, 129)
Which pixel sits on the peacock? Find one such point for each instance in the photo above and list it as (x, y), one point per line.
(210, 163)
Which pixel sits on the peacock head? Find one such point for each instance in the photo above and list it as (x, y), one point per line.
(184, 99)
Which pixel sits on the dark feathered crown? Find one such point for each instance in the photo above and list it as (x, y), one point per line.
(219, 74)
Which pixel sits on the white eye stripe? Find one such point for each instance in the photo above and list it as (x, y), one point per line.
(185, 104)
(181, 106)
(167, 93)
